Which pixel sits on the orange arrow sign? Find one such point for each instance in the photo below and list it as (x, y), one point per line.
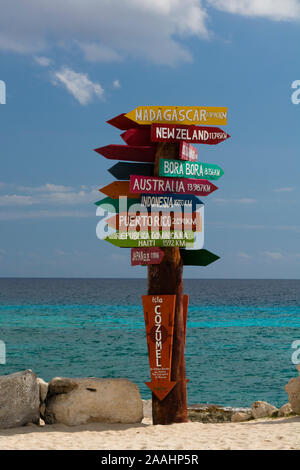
(118, 188)
(159, 311)
(151, 222)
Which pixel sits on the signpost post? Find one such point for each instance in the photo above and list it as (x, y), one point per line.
(167, 181)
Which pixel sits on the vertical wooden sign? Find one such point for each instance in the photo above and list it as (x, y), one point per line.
(159, 311)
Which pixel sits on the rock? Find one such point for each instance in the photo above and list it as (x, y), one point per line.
(293, 390)
(207, 413)
(19, 399)
(42, 409)
(89, 400)
(43, 389)
(262, 409)
(285, 410)
(240, 416)
(147, 408)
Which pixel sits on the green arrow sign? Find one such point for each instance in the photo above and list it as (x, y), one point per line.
(187, 169)
(144, 239)
(198, 257)
(108, 201)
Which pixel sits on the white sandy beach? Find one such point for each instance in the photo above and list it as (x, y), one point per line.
(259, 434)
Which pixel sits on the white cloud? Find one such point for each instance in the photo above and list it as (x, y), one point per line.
(48, 187)
(15, 200)
(43, 61)
(278, 10)
(244, 255)
(275, 255)
(50, 194)
(79, 85)
(283, 190)
(244, 200)
(43, 214)
(104, 29)
(116, 84)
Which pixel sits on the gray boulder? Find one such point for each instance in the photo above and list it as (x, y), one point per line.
(19, 399)
(262, 409)
(285, 410)
(89, 400)
(293, 390)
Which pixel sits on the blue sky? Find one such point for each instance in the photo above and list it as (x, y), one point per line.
(70, 66)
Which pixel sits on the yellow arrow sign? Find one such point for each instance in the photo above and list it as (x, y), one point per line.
(188, 115)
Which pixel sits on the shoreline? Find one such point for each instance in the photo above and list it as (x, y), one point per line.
(262, 434)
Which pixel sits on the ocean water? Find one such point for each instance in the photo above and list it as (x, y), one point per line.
(238, 346)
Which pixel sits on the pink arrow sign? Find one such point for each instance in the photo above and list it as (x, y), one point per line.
(137, 136)
(146, 256)
(193, 134)
(153, 185)
(188, 152)
(127, 152)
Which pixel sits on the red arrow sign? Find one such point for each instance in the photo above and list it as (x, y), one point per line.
(149, 184)
(117, 189)
(146, 256)
(193, 134)
(127, 152)
(159, 311)
(137, 136)
(123, 123)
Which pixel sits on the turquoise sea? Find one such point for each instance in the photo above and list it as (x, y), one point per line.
(238, 346)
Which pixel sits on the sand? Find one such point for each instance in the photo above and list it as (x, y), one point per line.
(274, 434)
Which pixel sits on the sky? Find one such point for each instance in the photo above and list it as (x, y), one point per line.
(70, 66)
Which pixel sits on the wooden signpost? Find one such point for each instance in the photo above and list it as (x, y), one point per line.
(146, 256)
(188, 115)
(165, 184)
(191, 134)
(147, 184)
(159, 313)
(126, 152)
(179, 169)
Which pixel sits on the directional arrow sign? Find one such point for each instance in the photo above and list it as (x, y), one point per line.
(127, 152)
(139, 136)
(122, 122)
(159, 311)
(193, 134)
(146, 256)
(117, 189)
(152, 222)
(167, 203)
(188, 152)
(171, 201)
(139, 240)
(182, 169)
(123, 170)
(146, 184)
(198, 257)
(109, 204)
(189, 115)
